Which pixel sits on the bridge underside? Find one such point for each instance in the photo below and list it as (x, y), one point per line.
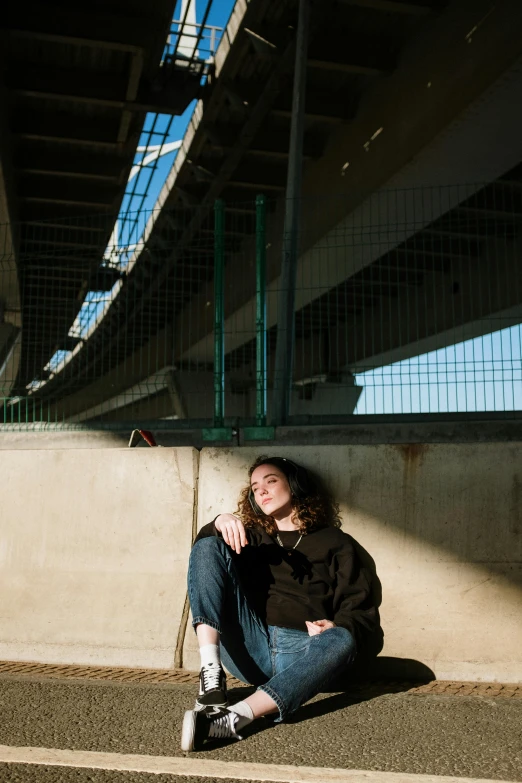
(411, 214)
(76, 86)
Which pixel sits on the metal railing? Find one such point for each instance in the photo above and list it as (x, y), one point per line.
(186, 38)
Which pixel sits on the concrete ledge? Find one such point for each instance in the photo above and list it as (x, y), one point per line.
(442, 523)
(30, 440)
(380, 430)
(94, 553)
(95, 545)
(488, 427)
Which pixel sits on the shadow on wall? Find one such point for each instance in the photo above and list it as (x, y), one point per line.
(371, 666)
(465, 499)
(443, 523)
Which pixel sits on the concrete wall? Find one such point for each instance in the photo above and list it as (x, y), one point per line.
(93, 554)
(95, 541)
(442, 523)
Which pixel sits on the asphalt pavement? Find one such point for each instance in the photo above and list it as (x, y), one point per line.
(443, 735)
(27, 773)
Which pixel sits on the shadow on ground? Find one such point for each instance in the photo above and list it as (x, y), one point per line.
(383, 675)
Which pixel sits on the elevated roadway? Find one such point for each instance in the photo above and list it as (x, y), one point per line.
(76, 85)
(411, 211)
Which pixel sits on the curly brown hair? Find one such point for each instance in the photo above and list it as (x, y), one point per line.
(315, 511)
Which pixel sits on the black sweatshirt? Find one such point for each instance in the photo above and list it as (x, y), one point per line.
(322, 579)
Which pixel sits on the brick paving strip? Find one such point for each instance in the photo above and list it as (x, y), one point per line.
(182, 677)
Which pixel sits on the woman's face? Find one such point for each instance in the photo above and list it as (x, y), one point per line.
(271, 491)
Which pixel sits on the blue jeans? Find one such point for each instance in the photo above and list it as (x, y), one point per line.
(287, 664)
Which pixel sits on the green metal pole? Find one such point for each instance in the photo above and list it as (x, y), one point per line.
(260, 311)
(219, 314)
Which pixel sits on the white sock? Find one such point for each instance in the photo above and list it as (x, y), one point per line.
(245, 714)
(210, 655)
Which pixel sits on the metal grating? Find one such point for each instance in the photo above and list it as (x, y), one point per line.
(364, 689)
(116, 674)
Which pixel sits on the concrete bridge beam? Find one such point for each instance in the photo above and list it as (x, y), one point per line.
(483, 142)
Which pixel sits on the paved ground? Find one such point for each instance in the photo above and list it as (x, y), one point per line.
(26, 773)
(466, 736)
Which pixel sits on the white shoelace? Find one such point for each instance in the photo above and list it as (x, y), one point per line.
(224, 726)
(211, 677)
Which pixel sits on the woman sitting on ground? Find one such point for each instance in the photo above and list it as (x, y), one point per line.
(279, 596)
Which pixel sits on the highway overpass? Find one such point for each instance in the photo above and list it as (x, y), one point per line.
(412, 201)
(76, 85)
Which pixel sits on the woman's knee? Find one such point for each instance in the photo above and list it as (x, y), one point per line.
(206, 548)
(208, 559)
(341, 643)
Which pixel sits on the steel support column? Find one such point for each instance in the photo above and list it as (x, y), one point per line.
(219, 314)
(285, 321)
(260, 311)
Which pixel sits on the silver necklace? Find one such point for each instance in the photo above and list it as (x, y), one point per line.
(278, 539)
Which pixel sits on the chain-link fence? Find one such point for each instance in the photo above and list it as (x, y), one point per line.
(412, 303)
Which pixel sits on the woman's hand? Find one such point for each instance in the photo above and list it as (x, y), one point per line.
(318, 626)
(232, 530)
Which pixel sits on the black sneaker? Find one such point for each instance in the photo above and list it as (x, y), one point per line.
(212, 688)
(200, 726)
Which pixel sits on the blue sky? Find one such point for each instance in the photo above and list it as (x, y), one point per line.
(483, 374)
(162, 129)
